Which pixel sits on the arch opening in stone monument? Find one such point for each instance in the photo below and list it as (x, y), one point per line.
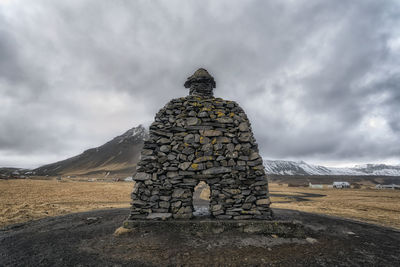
(200, 138)
(201, 200)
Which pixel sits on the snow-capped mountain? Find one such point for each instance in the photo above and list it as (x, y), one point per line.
(378, 169)
(121, 153)
(283, 167)
(136, 134)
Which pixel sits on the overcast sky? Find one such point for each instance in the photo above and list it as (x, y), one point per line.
(319, 80)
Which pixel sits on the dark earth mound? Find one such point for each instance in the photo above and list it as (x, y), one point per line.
(86, 239)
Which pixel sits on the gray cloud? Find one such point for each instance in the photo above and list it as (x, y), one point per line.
(319, 80)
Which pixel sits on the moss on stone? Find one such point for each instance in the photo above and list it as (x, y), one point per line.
(195, 166)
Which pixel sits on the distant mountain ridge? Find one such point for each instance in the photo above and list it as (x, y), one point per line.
(121, 153)
(119, 156)
(283, 167)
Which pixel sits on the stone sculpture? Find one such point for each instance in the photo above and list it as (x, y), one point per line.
(200, 138)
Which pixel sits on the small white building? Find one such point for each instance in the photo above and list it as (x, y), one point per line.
(341, 185)
(317, 186)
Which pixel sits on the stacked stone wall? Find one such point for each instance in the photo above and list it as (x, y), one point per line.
(197, 139)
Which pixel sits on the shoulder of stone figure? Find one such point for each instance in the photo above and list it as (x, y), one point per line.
(208, 104)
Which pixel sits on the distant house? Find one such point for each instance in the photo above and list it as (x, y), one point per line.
(340, 185)
(387, 186)
(317, 186)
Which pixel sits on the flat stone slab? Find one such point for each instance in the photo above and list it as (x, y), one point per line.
(162, 216)
(290, 229)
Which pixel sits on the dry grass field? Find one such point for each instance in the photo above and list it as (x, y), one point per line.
(369, 205)
(24, 200)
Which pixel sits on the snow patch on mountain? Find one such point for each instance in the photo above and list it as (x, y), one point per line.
(137, 133)
(284, 167)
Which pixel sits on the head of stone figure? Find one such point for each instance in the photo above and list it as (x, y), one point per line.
(201, 83)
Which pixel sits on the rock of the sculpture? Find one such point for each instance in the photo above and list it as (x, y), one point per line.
(200, 138)
(201, 83)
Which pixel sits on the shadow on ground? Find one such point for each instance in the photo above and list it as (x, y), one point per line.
(301, 196)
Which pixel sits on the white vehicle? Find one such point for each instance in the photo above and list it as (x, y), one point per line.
(340, 185)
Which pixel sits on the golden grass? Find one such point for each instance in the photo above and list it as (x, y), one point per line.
(369, 205)
(24, 200)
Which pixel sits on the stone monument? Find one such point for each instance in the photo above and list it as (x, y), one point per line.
(200, 138)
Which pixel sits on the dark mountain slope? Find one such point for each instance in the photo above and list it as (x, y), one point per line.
(118, 155)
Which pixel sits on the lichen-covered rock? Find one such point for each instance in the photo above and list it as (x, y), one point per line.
(200, 138)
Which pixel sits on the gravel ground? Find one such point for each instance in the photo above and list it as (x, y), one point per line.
(86, 239)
